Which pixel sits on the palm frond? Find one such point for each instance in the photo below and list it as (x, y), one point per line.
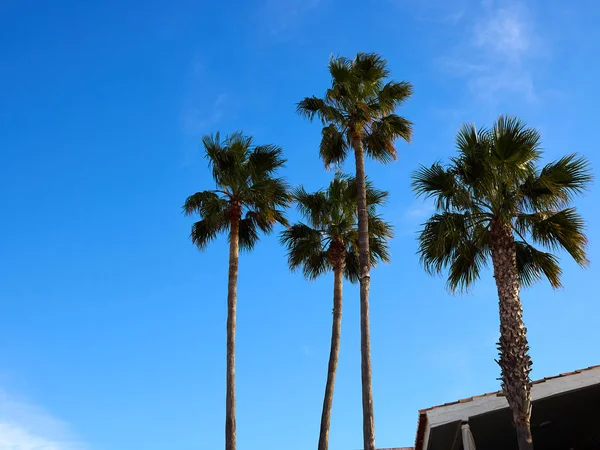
(532, 264)
(333, 148)
(557, 183)
(269, 193)
(206, 230)
(555, 230)
(441, 184)
(305, 250)
(248, 233)
(340, 69)
(314, 106)
(315, 207)
(264, 160)
(227, 158)
(370, 68)
(391, 96)
(468, 259)
(375, 197)
(352, 266)
(204, 203)
(472, 166)
(514, 145)
(458, 242)
(380, 139)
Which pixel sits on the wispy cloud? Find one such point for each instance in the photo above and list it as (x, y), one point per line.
(283, 15)
(419, 211)
(499, 53)
(24, 426)
(198, 119)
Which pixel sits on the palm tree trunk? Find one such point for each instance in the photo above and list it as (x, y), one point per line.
(515, 362)
(230, 427)
(336, 330)
(365, 281)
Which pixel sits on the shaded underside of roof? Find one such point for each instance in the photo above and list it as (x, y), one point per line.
(422, 421)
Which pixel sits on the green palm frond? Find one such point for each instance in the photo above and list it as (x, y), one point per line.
(515, 147)
(557, 230)
(473, 162)
(248, 233)
(205, 203)
(206, 230)
(269, 193)
(439, 238)
(305, 250)
(341, 71)
(352, 266)
(315, 207)
(379, 140)
(557, 183)
(391, 96)
(333, 147)
(441, 184)
(370, 69)
(468, 259)
(312, 107)
(263, 161)
(533, 263)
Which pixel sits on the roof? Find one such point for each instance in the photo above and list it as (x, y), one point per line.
(422, 422)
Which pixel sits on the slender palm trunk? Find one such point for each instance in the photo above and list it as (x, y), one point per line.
(336, 330)
(230, 427)
(515, 362)
(365, 281)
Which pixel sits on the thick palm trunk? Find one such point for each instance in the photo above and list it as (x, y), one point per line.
(515, 362)
(230, 427)
(336, 330)
(365, 281)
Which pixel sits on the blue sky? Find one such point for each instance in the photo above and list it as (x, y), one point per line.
(112, 326)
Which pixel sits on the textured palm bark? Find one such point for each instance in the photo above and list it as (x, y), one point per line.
(514, 361)
(365, 281)
(334, 352)
(230, 426)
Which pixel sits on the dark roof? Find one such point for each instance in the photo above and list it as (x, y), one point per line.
(422, 423)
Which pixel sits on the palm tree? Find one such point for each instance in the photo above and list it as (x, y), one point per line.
(330, 242)
(248, 199)
(357, 113)
(493, 201)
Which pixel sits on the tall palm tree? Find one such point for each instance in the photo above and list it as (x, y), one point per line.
(494, 202)
(248, 199)
(330, 242)
(357, 113)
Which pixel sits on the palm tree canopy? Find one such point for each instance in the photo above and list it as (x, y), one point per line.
(359, 104)
(496, 178)
(247, 189)
(331, 229)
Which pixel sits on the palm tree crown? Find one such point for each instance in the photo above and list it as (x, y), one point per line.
(495, 179)
(246, 190)
(331, 234)
(359, 105)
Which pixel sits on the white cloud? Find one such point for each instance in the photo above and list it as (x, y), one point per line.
(499, 54)
(24, 426)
